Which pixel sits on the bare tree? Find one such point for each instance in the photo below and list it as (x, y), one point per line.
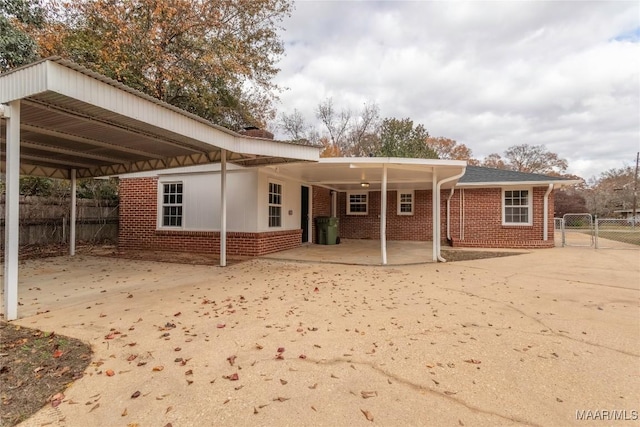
(363, 138)
(294, 125)
(534, 159)
(336, 123)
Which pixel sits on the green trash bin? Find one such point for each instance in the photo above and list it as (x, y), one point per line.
(322, 224)
(332, 231)
(327, 228)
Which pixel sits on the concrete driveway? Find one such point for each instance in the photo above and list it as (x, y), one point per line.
(532, 339)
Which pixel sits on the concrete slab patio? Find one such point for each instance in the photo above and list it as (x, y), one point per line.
(524, 340)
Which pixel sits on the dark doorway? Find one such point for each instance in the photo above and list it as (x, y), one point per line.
(304, 213)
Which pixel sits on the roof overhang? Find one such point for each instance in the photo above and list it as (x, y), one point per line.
(365, 173)
(73, 118)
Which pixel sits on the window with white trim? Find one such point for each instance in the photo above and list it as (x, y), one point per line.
(357, 203)
(172, 193)
(275, 204)
(517, 207)
(405, 202)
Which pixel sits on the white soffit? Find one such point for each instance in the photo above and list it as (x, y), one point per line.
(73, 118)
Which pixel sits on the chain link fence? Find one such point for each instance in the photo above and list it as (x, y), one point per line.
(616, 233)
(600, 233)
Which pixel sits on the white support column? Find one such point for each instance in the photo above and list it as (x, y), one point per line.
(72, 220)
(383, 215)
(12, 211)
(434, 214)
(223, 208)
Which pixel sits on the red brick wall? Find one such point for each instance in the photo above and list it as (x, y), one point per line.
(138, 219)
(482, 219)
(321, 206)
(399, 227)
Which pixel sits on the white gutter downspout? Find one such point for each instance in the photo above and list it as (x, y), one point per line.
(449, 213)
(545, 232)
(437, 230)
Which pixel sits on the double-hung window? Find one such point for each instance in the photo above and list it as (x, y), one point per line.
(517, 207)
(172, 193)
(357, 203)
(275, 204)
(405, 202)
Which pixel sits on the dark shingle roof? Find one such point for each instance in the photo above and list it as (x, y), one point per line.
(479, 174)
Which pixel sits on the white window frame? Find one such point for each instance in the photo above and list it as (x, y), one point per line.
(273, 203)
(178, 203)
(366, 202)
(529, 206)
(412, 203)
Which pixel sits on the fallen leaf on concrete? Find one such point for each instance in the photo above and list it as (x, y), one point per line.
(450, 393)
(283, 382)
(57, 399)
(124, 413)
(368, 394)
(132, 358)
(313, 387)
(168, 409)
(158, 368)
(232, 377)
(281, 399)
(57, 353)
(110, 372)
(255, 411)
(96, 406)
(231, 359)
(135, 395)
(280, 349)
(220, 325)
(302, 356)
(367, 415)
(474, 361)
(259, 347)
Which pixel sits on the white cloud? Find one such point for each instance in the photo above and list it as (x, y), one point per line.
(488, 74)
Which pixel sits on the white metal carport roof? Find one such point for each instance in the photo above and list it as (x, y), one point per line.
(65, 121)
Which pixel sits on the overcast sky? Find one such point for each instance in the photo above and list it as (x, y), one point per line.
(490, 75)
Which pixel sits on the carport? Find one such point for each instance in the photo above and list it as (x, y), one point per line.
(382, 174)
(65, 121)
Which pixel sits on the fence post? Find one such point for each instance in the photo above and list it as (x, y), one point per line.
(596, 231)
(562, 228)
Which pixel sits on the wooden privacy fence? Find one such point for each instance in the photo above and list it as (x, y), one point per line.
(45, 220)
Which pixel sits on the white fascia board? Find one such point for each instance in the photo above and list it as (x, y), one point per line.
(517, 183)
(23, 82)
(379, 161)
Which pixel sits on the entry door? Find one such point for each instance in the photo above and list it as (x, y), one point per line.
(304, 213)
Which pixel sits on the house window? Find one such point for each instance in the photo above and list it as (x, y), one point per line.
(172, 204)
(275, 204)
(517, 207)
(357, 203)
(405, 202)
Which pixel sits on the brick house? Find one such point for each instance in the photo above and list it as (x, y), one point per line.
(272, 208)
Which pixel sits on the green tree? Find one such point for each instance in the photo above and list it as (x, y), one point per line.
(17, 47)
(400, 138)
(214, 58)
